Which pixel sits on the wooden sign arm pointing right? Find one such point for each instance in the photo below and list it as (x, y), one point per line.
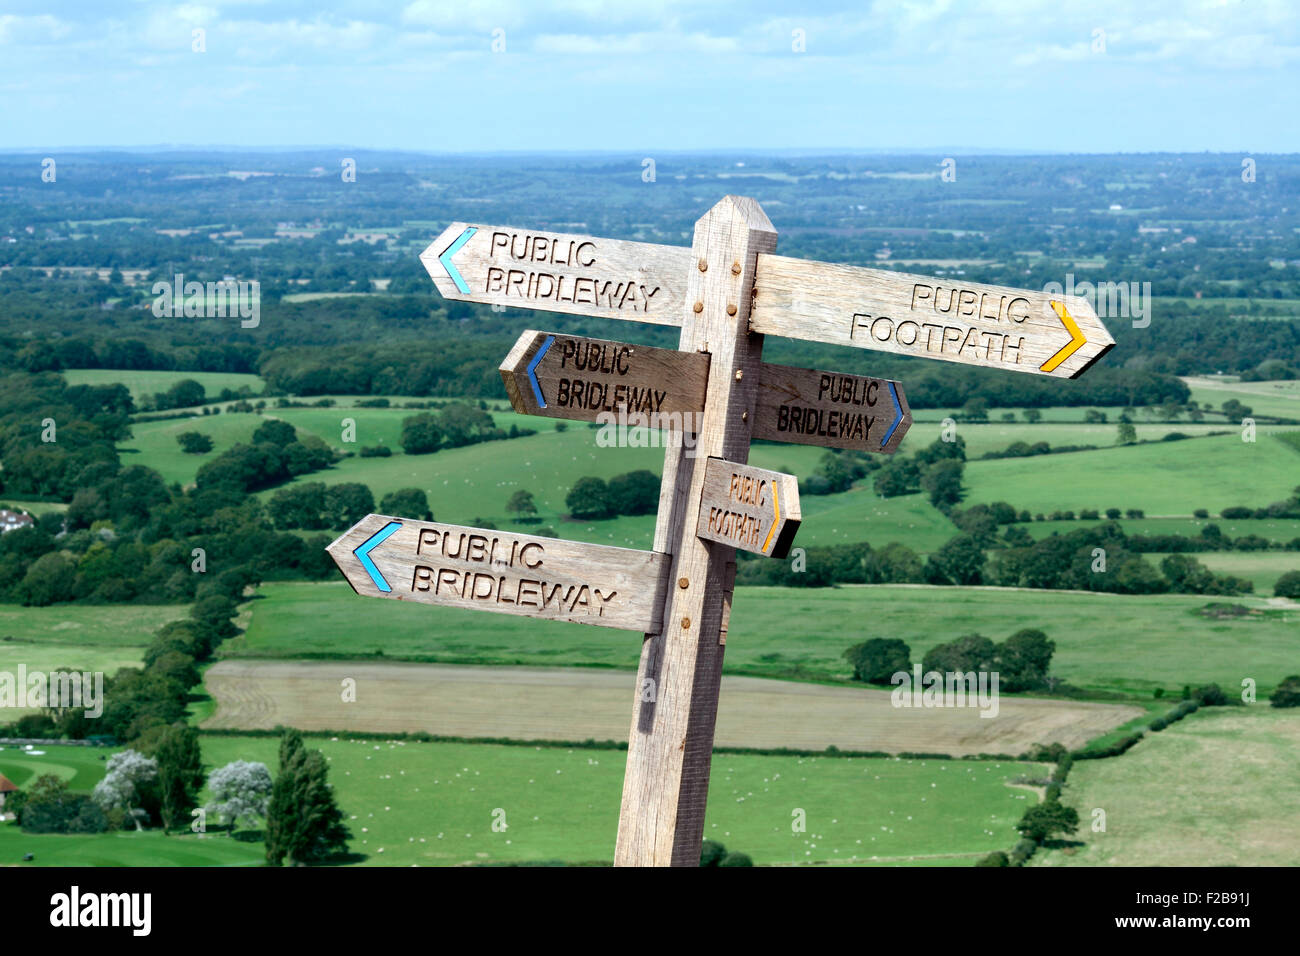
(671, 742)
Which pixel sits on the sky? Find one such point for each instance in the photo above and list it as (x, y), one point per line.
(644, 75)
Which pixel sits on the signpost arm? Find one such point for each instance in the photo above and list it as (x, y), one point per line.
(671, 743)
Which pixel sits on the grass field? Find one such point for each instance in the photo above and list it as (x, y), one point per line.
(107, 626)
(1211, 473)
(580, 703)
(72, 637)
(83, 767)
(37, 508)
(1215, 789)
(142, 383)
(1104, 641)
(995, 436)
(1272, 529)
(434, 803)
(1279, 399)
(154, 445)
(431, 804)
(1262, 567)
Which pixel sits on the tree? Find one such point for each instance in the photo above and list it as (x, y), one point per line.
(976, 409)
(347, 503)
(303, 823)
(1288, 585)
(735, 858)
(973, 652)
(180, 773)
(300, 505)
(128, 776)
(50, 579)
(463, 424)
(184, 394)
(996, 858)
(711, 853)
(1024, 659)
(50, 807)
(635, 493)
(522, 506)
(900, 477)
(1126, 434)
(406, 503)
(1287, 693)
(588, 499)
(837, 472)
(877, 660)
(943, 482)
(1234, 410)
(194, 443)
(241, 792)
(421, 434)
(960, 561)
(895, 563)
(1032, 415)
(1045, 820)
(275, 431)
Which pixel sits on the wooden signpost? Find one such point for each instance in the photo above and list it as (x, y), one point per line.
(809, 407)
(558, 272)
(725, 292)
(749, 508)
(434, 563)
(568, 376)
(956, 321)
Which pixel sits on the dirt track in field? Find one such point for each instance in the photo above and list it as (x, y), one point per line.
(535, 703)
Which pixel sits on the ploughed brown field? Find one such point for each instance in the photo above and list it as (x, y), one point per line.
(536, 703)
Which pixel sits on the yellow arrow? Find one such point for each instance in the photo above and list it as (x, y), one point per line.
(776, 519)
(1076, 342)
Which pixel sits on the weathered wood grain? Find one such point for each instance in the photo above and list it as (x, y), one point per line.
(940, 318)
(456, 566)
(665, 789)
(808, 406)
(579, 378)
(749, 508)
(559, 272)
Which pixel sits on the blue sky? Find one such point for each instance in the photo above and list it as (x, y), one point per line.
(647, 75)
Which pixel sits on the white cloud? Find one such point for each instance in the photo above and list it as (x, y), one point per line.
(631, 44)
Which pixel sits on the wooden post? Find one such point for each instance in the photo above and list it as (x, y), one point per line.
(671, 743)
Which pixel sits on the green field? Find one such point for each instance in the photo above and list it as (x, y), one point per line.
(154, 445)
(1272, 529)
(106, 626)
(1104, 641)
(996, 436)
(77, 637)
(478, 480)
(1215, 789)
(434, 804)
(142, 383)
(1211, 473)
(1279, 399)
(1261, 567)
(37, 508)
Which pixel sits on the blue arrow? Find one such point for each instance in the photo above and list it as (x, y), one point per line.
(532, 370)
(452, 249)
(363, 553)
(897, 418)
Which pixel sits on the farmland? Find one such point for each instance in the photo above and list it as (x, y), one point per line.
(141, 383)
(1233, 803)
(581, 703)
(1111, 642)
(433, 803)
